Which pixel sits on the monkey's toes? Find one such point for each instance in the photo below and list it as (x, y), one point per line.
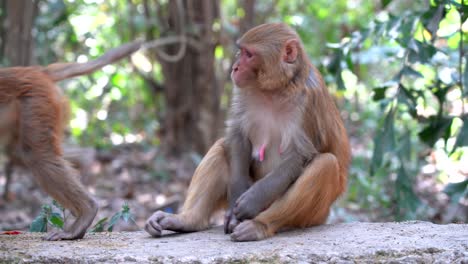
(62, 235)
(248, 231)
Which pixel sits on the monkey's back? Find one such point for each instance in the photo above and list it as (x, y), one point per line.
(28, 99)
(24, 81)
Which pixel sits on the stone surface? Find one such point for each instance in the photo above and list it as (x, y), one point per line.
(407, 242)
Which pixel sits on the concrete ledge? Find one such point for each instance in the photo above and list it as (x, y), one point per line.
(407, 242)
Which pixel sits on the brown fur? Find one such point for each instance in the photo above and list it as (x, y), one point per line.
(280, 105)
(34, 113)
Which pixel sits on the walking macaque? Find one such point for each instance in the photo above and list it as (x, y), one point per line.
(33, 113)
(285, 156)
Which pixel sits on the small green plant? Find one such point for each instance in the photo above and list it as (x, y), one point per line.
(124, 214)
(54, 215)
(49, 215)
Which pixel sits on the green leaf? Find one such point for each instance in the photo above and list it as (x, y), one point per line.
(465, 78)
(431, 19)
(438, 128)
(398, 76)
(349, 61)
(405, 149)
(462, 138)
(384, 140)
(440, 91)
(408, 71)
(379, 28)
(407, 200)
(392, 27)
(462, 10)
(46, 210)
(99, 226)
(125, 208)
(385, 3)
(119, 80)
(421, 52)
(405, 97)
(406, 30)
(56, 220)
(113, 221)
(457, 190)
(335, 65)
(126, 216)
(379, 93)
(39, 224)
(340, 82)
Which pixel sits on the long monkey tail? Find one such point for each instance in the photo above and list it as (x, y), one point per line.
(62, 71)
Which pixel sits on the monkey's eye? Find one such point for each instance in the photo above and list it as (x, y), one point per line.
(248, 54)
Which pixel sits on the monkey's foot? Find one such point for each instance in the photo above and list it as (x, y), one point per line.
(78, 229)
(249, 230)
(160, 221)
(63, 235)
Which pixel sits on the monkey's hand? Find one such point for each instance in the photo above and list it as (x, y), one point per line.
(265, 191)
(230, 222)
(160, 221)
(250, 204)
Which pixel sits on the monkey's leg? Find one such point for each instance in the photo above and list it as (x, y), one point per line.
(207, 192)
(307, 202)
(56, 177)
(8, 176)
(40, 149)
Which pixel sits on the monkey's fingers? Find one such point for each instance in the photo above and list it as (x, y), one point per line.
(233, 224)
(227, 219)
(230, 222)
(239, 202)
(152, 225)
(160, 221)
(243, 208)
(153, 228)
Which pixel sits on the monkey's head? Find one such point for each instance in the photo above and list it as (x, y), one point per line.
(269, 57)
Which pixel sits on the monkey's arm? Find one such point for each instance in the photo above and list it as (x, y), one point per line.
(265, 191)
(239, 149)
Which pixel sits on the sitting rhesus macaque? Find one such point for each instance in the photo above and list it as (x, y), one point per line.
(285, 156)
(33, 113)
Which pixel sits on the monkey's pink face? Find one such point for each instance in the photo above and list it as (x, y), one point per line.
(244, 70)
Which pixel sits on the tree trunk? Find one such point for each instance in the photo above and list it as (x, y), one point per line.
(18, 42)
(192, 121)
(248, 21)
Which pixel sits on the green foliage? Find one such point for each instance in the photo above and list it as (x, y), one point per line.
(111, 106)
(48, 215)
(419, 103)
(457, 190)
(99, 226)
(123, 215)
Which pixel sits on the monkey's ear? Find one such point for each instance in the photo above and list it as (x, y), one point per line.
(290, 50)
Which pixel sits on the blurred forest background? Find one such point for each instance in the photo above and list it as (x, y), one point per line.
(139, 127)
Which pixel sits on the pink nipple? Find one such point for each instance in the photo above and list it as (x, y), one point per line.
(261, 152)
